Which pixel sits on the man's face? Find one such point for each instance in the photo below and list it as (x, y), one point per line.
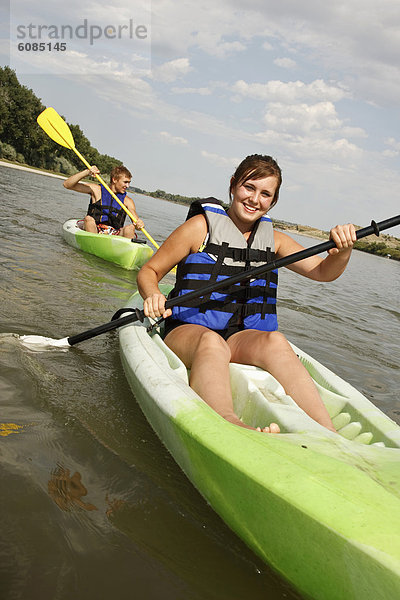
(121, 184)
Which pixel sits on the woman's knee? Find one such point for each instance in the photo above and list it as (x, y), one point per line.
(277, 338)
(211, 342)
(275, 342)
(261, 343)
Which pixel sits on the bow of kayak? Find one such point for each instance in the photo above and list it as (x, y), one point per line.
(121, 251)
(322, 508)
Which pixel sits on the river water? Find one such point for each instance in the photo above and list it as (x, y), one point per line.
(92, 505)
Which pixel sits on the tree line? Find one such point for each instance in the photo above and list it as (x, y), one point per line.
(23, 141)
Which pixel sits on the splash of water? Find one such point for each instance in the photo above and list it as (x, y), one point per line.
(38, 343)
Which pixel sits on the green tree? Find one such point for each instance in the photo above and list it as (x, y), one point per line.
(19, 108)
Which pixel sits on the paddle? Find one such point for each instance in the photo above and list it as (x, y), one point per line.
(56, 128)
(39, 342)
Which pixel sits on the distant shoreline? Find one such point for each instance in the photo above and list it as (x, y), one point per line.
(4, 163)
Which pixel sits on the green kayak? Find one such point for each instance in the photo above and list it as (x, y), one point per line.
(321, 508)
(116, 249)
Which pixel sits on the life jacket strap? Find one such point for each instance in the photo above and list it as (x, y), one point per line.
(239, 254)
(215, 272)
(205, 268)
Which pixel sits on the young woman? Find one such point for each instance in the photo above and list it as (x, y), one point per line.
(238, 324)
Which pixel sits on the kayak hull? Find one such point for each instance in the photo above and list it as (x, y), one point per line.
(112, 248)
(322, 510)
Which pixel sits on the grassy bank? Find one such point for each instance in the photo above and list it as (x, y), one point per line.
(384, 245)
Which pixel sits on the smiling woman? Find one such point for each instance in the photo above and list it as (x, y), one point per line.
(256, 169)
(239, 325)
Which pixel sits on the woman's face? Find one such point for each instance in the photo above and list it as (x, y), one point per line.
(252, 198)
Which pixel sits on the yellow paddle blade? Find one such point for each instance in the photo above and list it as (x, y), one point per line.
(56, 128)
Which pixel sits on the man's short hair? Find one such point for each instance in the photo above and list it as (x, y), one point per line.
(120, 171)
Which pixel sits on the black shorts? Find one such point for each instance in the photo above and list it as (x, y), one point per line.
(171, 324)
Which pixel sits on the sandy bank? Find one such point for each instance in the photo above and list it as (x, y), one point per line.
(22, 168)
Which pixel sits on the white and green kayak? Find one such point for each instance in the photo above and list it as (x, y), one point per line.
(322, 509)
(114, 248)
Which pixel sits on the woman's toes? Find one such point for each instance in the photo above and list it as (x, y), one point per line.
(273, 428)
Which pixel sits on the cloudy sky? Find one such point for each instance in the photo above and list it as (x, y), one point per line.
(182, 91)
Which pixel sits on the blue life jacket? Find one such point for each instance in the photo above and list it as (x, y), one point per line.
(107, 210)
(247, 305)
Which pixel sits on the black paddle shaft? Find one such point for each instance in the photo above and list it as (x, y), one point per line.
(138, 315)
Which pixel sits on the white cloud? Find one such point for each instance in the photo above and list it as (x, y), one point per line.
(393, 143)
(303, 118)
(329, 33)
(172, 139)
(394, 148)
(285, 63)
(292, 91)
(267, 46)
(366, 31)
(208, 26)
(220, 160)
(82, 63)
(223, 49)
(171, 70)
(201, 91)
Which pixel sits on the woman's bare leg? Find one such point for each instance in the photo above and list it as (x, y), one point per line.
(207, 355)
(271, 351)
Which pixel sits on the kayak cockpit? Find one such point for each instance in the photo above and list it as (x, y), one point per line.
(260, 399)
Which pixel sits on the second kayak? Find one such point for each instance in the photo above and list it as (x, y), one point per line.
(119, 250)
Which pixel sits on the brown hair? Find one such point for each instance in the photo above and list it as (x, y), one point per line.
(257, 166)
(119, 171)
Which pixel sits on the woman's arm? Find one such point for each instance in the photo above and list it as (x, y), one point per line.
(315, 267)
(185, 240)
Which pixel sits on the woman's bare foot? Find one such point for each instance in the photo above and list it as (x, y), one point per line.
(273, 427)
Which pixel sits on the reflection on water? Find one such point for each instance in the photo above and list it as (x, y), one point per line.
(8, 428)
(68, 490)
(116, 516)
